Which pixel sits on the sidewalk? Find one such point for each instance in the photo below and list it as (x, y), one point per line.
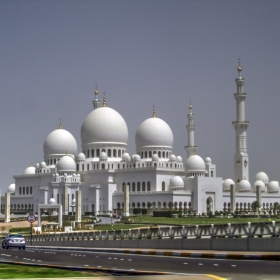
(236, 255)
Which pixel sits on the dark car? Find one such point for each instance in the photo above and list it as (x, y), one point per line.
(13, 240)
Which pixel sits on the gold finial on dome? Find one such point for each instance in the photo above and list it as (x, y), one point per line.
(66, 153)
(31, 164)
(154, 111)
(60, 124)
(239, 68)
(96, 89)
(104, 100)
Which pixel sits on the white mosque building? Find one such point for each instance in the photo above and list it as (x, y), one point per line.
(154, 174)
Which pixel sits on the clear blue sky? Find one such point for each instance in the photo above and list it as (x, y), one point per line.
(141, 53)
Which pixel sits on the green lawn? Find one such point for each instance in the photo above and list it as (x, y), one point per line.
(8, 271)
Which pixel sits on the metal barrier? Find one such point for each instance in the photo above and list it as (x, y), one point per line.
(244, 230)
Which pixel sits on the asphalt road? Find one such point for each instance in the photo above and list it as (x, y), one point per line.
(230, 269)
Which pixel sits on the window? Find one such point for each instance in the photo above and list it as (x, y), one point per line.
(149, 186)
(150, 154)
(143, 186)
(133, 186)
(92, 153)
(23, 190)
(109, 153)
(97, 152)
(138, 186)
(163, 186)
(103, 166)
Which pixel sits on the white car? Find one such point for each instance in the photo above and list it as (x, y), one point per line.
(13, 240)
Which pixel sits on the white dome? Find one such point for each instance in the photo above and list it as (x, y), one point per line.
(43, 164)
(52, 201)
(208, 160)
(176, 182)
(179, 159)
(273, 187)
(155, 157)
(12, 188)
(29, 170)
(262, 176)
(66, 164)
(104, 125)
(226, 184)
(103, 156)
(259, 183)
(81, 156)
(125, 157)
(37, 165)
(154, 132)
(136, 157)
(59, 142)
(74, 201)
(244, 186)
(195, 163)
(172, 158)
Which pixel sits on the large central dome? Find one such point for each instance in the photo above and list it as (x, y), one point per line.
(104, 125)
(154, 132)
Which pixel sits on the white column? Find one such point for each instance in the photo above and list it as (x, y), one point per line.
(126, 202)
(65, 201)
(232, 198)
(78, 215)
(7, 207)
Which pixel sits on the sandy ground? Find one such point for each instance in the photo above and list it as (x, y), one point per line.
(20, 224)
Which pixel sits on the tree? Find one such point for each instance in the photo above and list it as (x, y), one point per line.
(275, 207)
(170, 205)
(256, 206)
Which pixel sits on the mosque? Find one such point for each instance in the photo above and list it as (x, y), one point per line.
(156, 177)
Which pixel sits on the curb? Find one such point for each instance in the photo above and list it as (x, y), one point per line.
(223, 256)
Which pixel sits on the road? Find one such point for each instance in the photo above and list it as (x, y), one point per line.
(230, 269)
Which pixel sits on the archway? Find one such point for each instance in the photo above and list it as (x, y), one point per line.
(209, 205)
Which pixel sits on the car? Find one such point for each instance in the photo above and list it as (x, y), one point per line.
(13, 240)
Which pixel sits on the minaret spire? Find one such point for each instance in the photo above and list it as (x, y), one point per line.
(96, 102)
(241, 158)
(191, 148)
(60, 124)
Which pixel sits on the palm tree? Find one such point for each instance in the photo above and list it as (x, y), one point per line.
(256, 206)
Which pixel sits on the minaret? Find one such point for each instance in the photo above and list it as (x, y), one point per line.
(191, 148)
(241, 158)
(96, 102)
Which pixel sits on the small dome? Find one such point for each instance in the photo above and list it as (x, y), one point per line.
(103, 156)
(136, 157)
(259, 183)
(226, 184)
(104, 125)
(29, 170)
(244, 186)
(262, 176)
(195, 163)
(60, 141)
(179, 159)
(208, 160)
(66, 164)
(52, 201)
(37, 165)
(43, 164)
(12, 188)
(81, 156)
(172, 157)
(125, 157)
(155, 157)
(273, 187)
(74, 201)
(154, 132)
(176, 183)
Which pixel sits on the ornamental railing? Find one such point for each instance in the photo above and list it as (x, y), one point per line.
(242, 230)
